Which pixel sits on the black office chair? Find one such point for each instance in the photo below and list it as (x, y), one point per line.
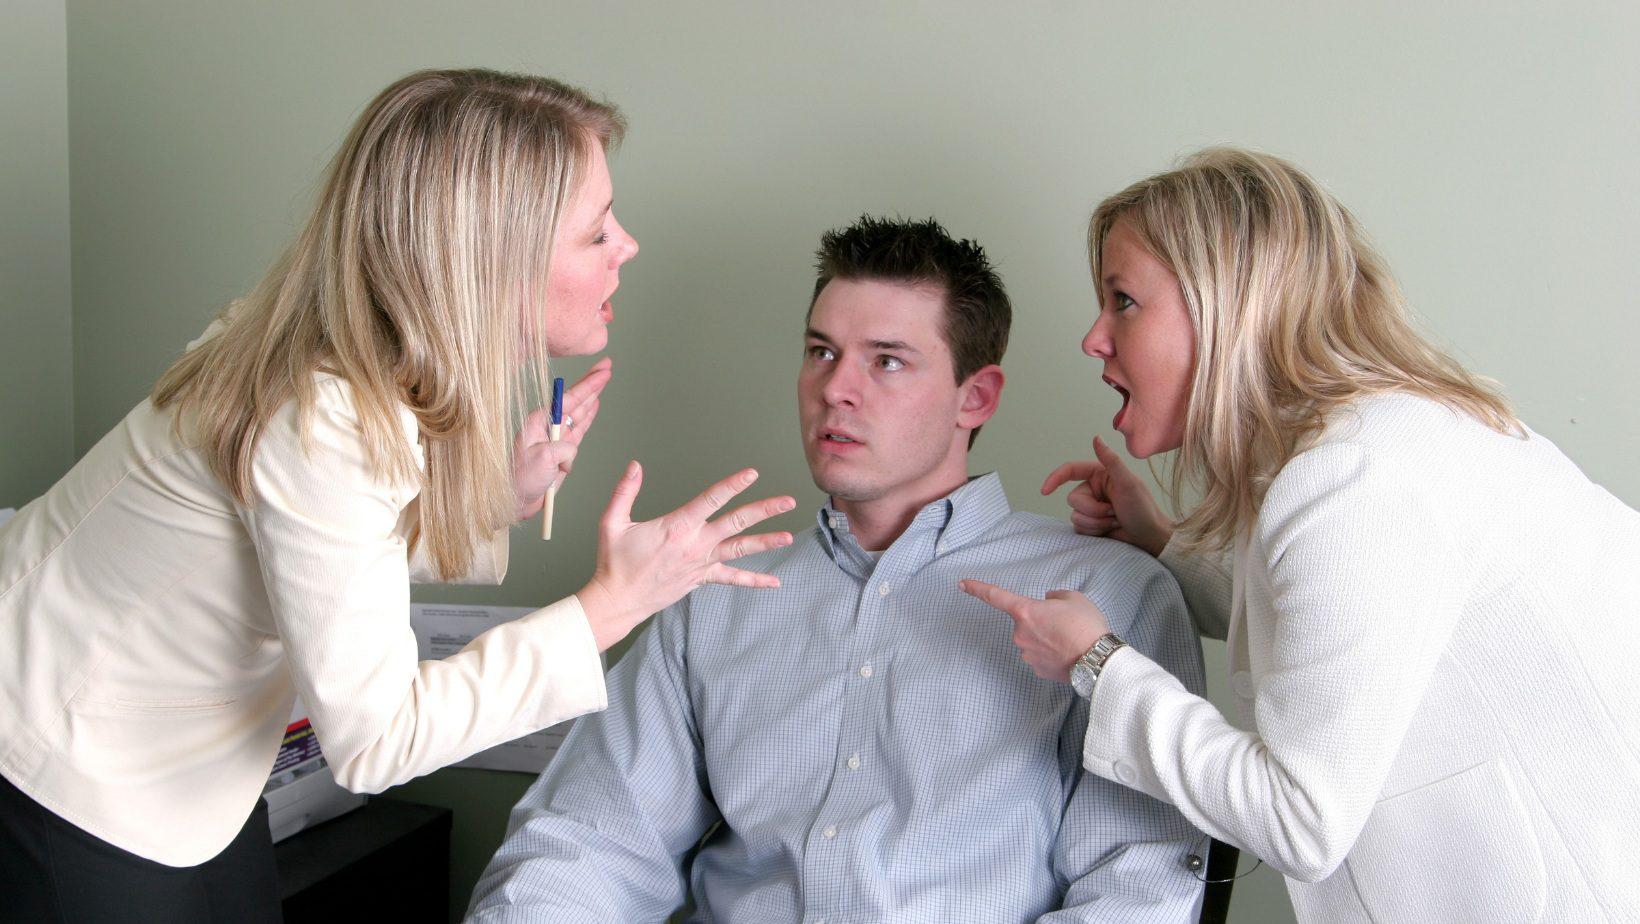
(1220, 873)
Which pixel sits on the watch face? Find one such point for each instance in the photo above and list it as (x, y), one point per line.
(1082, 677)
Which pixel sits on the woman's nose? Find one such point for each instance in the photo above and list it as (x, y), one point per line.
(1097, 342)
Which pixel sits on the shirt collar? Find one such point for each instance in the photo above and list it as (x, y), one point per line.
(955, 520)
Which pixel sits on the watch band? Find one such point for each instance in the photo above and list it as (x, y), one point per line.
(1085, 672)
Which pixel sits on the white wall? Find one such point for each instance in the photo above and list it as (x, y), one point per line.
(1488, 147)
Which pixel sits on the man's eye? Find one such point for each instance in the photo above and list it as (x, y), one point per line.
(823, 354)
(891, 363)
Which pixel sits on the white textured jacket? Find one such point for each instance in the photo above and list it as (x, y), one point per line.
(1432, 631)
(153, 634)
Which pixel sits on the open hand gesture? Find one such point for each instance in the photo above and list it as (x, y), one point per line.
(645, 567)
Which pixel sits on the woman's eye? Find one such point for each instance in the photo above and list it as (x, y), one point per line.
(1122, 302)
(602, 238)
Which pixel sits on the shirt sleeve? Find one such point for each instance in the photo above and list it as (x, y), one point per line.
(1122, 852)
(603, 834)
(1205, 580)
(1361, 569)
(336, 570)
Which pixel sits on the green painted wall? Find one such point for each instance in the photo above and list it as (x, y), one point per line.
(36, 349)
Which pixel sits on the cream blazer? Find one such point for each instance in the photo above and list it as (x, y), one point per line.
(1432, 631)
(153, 634)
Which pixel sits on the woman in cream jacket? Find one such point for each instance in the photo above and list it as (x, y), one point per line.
(249, 533)
(1431, 614)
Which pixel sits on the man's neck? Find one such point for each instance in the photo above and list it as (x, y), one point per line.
(876, 524)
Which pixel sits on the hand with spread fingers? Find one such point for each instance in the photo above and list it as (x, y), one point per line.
(540, 462)
(1050, 633)
(644, 567)
(1111, 501)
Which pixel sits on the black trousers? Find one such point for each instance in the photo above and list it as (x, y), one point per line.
(52, 872)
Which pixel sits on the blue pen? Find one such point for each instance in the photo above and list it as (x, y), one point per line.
(554, 431)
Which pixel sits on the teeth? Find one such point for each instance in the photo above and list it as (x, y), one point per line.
(838, 439)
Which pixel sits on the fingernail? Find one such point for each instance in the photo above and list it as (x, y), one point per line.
(787, 504)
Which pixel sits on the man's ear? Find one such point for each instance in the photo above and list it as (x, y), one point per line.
(980, 396)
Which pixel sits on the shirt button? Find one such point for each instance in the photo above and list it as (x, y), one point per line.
(854, 762)
(865, 670)
(1242, 683)
(1125, 772)
(830, 832)
(939, 549)
(882, 590)
(832, 522)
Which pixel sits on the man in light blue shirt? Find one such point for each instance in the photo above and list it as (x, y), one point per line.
(865, 744)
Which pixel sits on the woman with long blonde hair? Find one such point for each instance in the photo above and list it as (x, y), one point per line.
(249, 533)
(1430, 612)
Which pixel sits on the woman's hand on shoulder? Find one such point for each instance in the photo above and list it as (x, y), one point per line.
(1111, 501)
(539, 462)
(647, 566)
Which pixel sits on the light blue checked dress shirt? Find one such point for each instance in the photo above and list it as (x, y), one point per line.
(863, 744)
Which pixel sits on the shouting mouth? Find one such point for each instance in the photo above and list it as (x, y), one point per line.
(1116, 422)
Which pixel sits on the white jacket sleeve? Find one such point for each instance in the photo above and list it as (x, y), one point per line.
(1365, 586)
(336, 568)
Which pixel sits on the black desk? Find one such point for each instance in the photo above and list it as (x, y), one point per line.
(387, 861)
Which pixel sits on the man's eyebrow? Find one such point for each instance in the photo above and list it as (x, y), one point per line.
(891, 346)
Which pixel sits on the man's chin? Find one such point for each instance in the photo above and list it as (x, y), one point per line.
(848, 491)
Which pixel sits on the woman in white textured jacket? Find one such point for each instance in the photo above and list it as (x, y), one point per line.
(250, 532)
(1432, 616)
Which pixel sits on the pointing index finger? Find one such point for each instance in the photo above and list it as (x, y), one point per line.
(1004, 600)
(1068, 472)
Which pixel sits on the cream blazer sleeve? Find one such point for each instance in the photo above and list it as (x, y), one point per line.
(330, 540)
(1357, 567)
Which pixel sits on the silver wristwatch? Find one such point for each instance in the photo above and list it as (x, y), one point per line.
(1085, 672)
